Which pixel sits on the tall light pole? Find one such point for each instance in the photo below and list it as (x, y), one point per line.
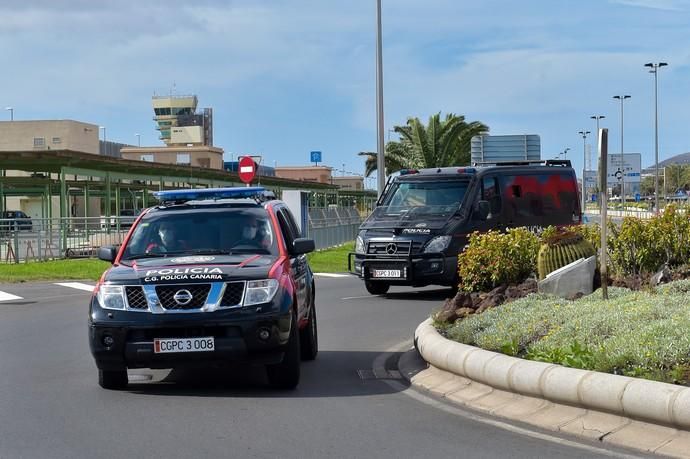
(565, 153)
(11, 112)
(597, 118)
(380, 160)
(138, 139)
(654, 69)
(104, 147)
(584, 133)
(622, 98)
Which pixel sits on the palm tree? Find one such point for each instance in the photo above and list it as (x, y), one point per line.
(442, 142)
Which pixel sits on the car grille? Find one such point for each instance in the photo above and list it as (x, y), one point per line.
(402, 248)
(136, 298)
(167, 292)
(233, 294)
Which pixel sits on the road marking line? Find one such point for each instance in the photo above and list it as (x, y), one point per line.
(77, 285)
(358, 297)
(4, 296)
(331, 275)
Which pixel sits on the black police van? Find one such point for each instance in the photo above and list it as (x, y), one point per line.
(206, 277)
(424, 217)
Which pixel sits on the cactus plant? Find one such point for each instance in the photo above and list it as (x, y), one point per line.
(560, 250)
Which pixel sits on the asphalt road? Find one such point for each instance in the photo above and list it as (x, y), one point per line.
(52, 407)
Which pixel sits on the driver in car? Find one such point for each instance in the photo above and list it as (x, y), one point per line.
(168, 240)
(253, 233)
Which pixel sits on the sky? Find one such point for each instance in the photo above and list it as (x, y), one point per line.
(286, 77)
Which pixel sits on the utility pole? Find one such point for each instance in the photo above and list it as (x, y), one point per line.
(655, 69)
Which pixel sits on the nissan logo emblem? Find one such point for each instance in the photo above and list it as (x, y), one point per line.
(391, 249)
(182, 297)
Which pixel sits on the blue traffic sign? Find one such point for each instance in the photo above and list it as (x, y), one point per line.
(315, 156)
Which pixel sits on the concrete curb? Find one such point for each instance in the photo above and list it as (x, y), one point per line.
(629, 397)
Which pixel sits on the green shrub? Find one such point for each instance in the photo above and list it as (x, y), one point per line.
(495, 258)
(639, 246)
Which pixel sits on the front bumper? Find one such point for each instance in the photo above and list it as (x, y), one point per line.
(415, 270)
(236, 337)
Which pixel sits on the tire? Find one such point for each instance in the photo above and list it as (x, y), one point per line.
(285, 375)
(376, 288)
(112, 379)
(309, 337)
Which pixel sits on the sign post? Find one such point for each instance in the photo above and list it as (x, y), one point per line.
(247, 169)
(316, 157)
(603, 204)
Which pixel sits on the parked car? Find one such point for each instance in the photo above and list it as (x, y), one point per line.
(424, 217)
(15, 220)
(206, 277)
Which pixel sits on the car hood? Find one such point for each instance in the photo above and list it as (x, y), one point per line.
(199, 268)
(415, 220)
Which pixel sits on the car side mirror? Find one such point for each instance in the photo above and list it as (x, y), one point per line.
(482, 210)
(107, 253)
(302, 245)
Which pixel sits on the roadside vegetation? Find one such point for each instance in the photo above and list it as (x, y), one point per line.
(331, 260)
(640, 331)
(635, 333)
(82, 269)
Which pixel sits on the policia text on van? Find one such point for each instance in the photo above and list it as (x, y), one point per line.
(424, 217)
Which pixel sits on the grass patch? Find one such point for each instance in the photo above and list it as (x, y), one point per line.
(87, 269)
(639, 334)
(333, 260)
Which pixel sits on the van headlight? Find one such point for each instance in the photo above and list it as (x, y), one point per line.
(438, 244)
(260, 291)
(359, 245)
(111, 296)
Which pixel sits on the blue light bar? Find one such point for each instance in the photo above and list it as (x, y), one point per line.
(185, 195)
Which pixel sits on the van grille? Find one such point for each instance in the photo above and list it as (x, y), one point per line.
(390, 248)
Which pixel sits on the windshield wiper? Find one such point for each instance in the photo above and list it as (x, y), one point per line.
(147, 255)
(210, 252)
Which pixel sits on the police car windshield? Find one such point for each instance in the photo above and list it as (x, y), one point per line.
(425, 197)
(219, 230)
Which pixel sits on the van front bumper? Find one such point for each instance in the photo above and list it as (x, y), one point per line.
(416, 270)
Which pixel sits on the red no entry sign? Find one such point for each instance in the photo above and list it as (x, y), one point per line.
(247, 169)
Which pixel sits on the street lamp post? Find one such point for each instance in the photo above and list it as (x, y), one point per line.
(622, 98)
(565, 153)
(11, 109)
(104, 141)
(138, 139)
(654, 69)
(584, 133)
(380, 160)
(597, 118)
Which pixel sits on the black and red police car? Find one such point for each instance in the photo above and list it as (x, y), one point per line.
(206, 277)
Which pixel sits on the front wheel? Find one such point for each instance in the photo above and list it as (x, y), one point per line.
(309, 337)
(376, 288)
(285, 375)
(112, 379)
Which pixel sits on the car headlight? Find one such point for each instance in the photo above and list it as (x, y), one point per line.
(437, 244)
(111, 296)
(260, 291)
(359, 245)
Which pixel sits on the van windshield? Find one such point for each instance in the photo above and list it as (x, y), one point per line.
(432, 201)
(432, 196)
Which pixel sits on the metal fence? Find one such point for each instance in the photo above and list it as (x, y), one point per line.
(46, 239)
(333, 226)
(37, 239)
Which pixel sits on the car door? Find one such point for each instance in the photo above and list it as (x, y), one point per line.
(298, 263)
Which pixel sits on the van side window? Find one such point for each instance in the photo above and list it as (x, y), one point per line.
(551, 197)
(490, 193)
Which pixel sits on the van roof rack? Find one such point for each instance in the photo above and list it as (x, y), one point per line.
(545, 162)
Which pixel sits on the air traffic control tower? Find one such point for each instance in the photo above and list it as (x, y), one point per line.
(179, 123)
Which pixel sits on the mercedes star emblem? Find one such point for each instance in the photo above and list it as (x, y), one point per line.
(391, 249)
